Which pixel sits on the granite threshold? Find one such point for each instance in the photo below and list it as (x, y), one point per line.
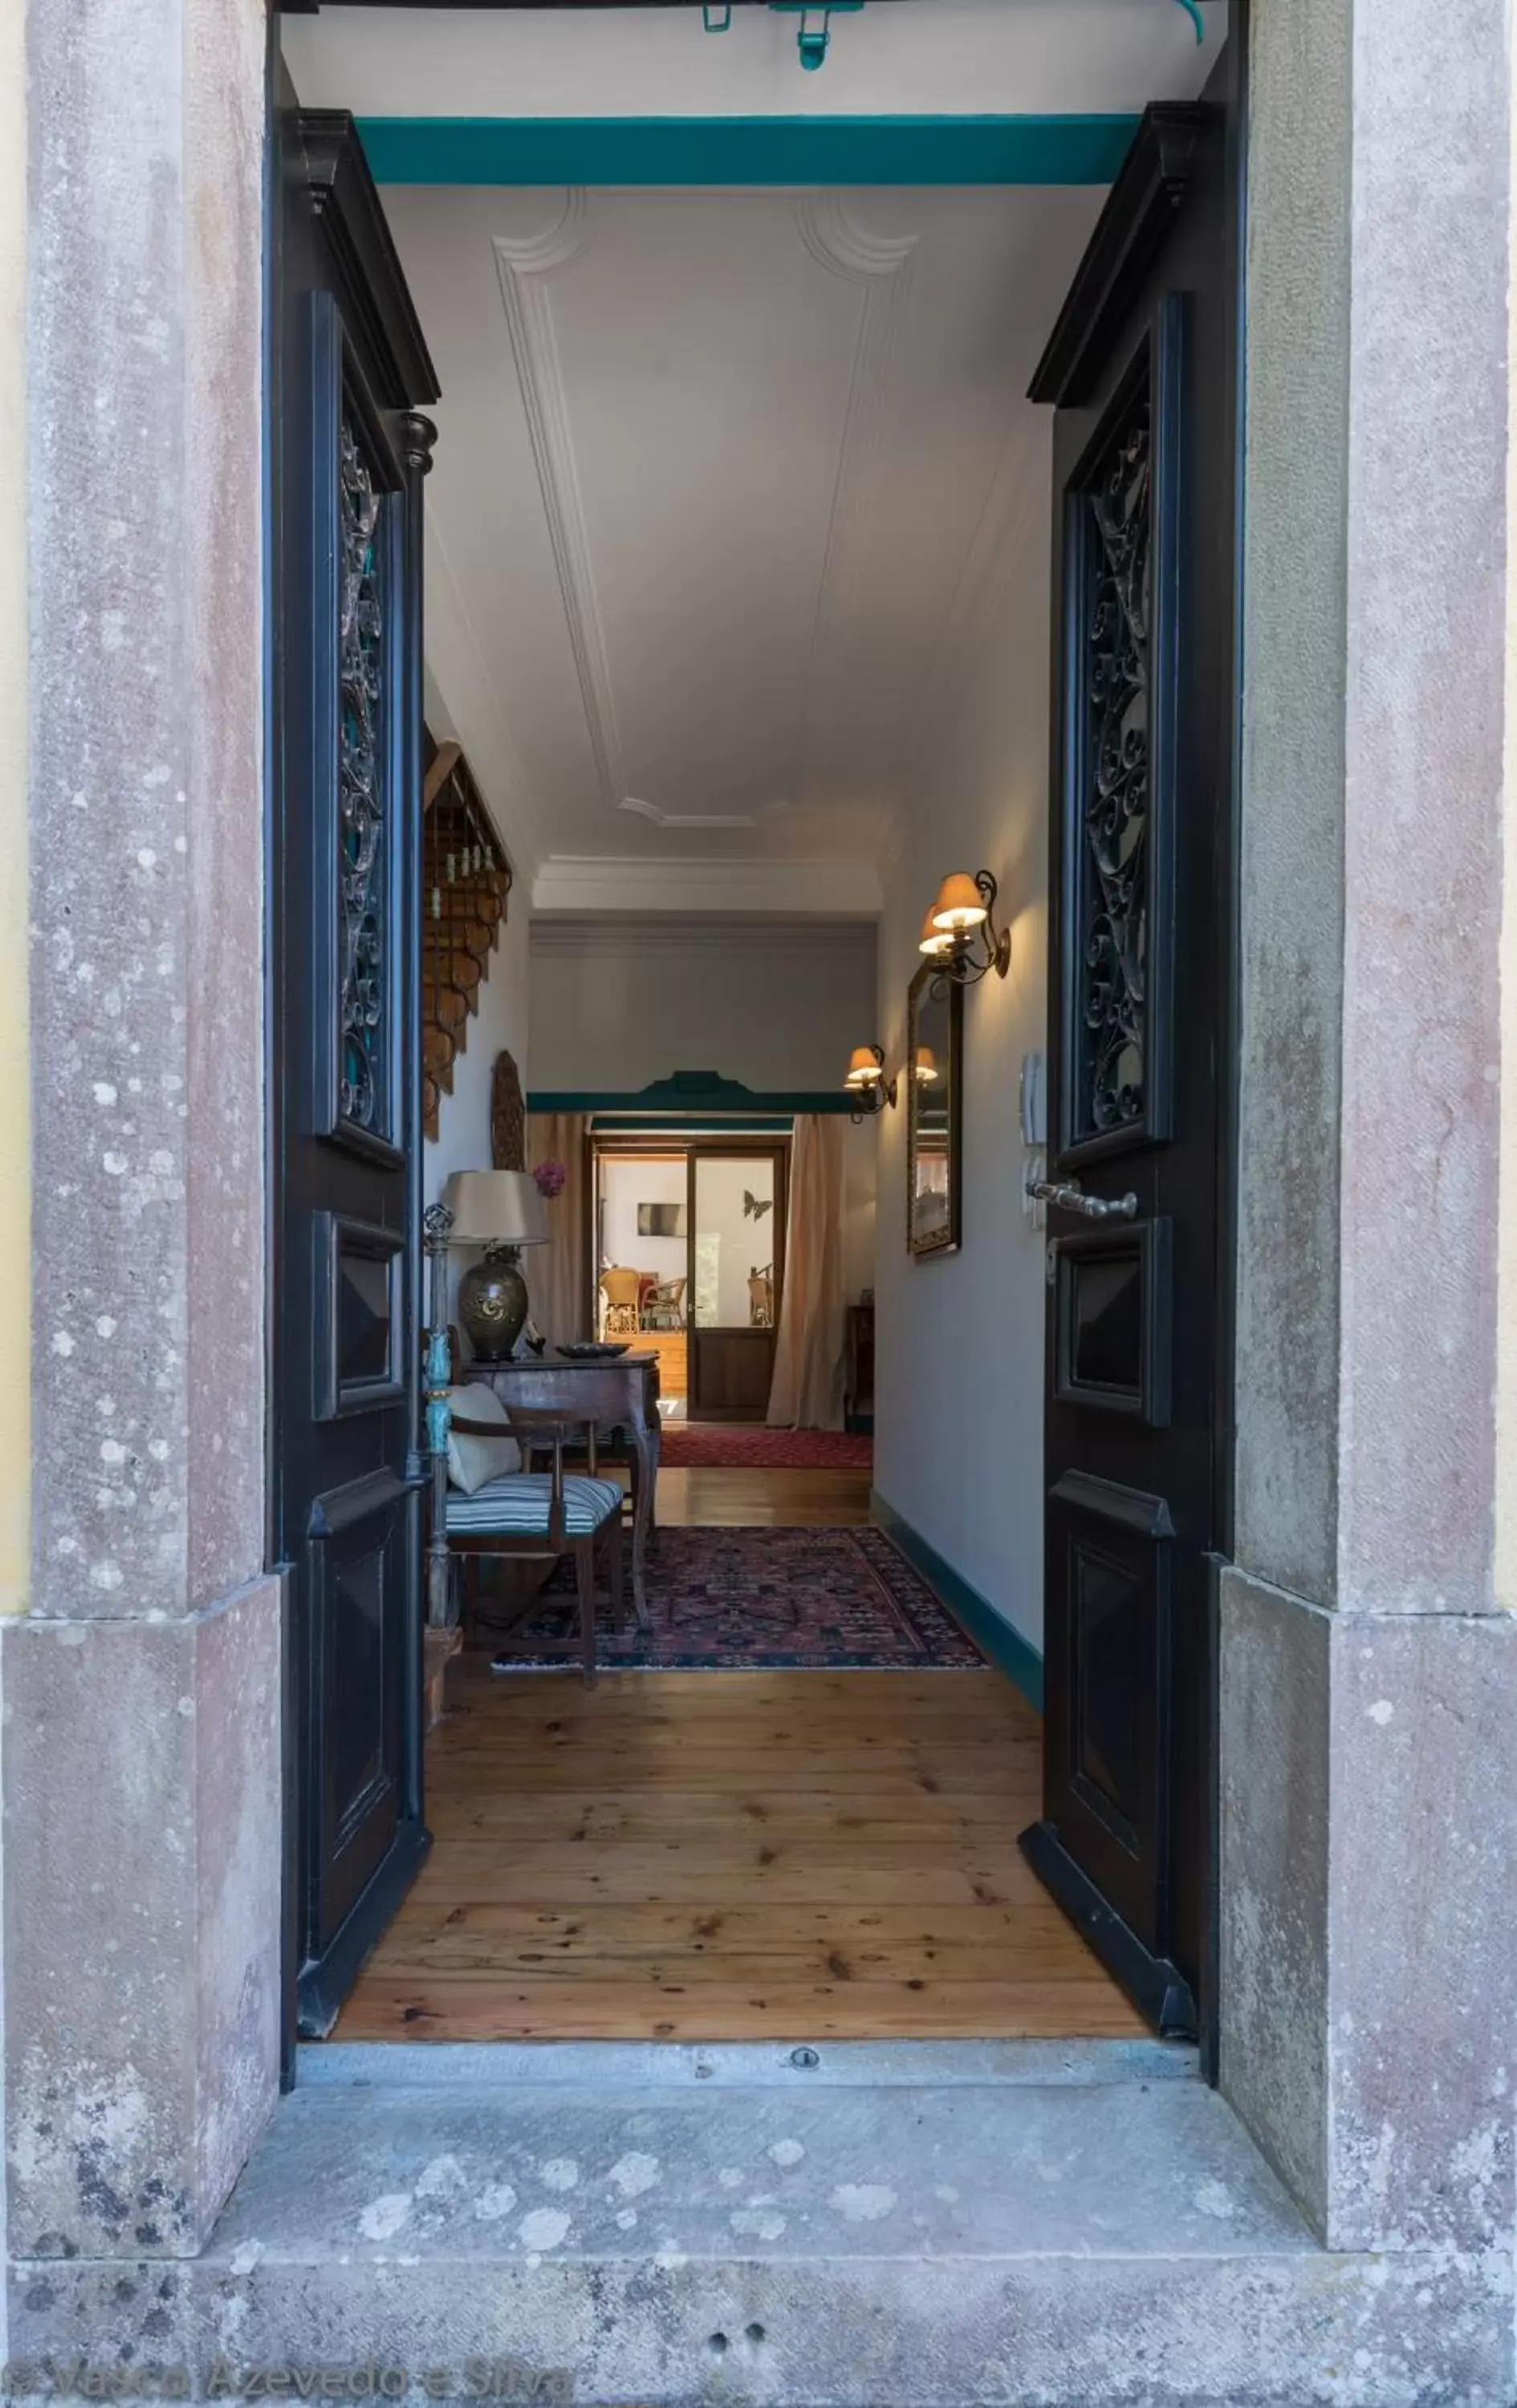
(913, 2225)
(433, 2064)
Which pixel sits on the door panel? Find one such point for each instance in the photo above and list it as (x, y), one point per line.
(1105, 1742)
(731, 1371)
(359, 1576)
(348, 457)
(1141, 370)
(1114, 1322)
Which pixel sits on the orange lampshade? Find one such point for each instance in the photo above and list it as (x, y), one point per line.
(960, 904)
(863, 1068)
(934, 941)
(926, 1065)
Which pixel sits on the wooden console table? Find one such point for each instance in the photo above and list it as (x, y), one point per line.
(620, 1394)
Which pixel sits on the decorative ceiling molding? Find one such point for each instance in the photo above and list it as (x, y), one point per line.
(523, 265)
(880, 267)
(825, 594)
(843, 247)
(702, 819)
(634, 934)
(583, 883)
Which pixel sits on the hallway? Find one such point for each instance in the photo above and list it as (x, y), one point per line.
(708, 1855)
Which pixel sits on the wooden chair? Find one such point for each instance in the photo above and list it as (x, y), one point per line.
(541, 1515)
(621, 1289)
(665, 1306)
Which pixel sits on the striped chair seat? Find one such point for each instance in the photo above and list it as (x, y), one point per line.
(517, 1505)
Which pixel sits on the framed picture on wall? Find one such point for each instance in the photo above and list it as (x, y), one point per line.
(661, 1220)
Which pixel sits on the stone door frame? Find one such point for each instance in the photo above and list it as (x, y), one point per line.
(1367, 1710)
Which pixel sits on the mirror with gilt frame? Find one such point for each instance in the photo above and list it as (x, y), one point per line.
(934, 1079)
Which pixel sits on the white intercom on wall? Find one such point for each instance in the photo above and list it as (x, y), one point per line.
(1034, 1100)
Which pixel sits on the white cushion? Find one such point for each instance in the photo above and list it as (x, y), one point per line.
(472, 1461)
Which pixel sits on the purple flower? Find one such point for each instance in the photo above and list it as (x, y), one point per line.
(551, 1178)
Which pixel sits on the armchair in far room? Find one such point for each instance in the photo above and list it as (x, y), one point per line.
(665, 1305)
(623, 1291)
(761, 1297)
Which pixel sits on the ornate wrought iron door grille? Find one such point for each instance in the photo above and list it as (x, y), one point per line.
(1121, 612)
(363, 1034)
(1111, 1034)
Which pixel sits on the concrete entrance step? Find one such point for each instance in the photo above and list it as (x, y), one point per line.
(872, 2243)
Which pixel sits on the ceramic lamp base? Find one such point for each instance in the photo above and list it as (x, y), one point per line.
(492, 1304)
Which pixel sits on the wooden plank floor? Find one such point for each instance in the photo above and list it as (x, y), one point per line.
(733, 1856)
(790, 1500)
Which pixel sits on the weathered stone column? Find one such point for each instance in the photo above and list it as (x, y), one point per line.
(1369, 1671)
(142, 1759)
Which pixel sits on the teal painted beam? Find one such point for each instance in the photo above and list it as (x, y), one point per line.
(637, 1107)
(1007, 1648)
(1067, 150)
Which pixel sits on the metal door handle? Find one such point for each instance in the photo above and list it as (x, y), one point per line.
(1070, 1198)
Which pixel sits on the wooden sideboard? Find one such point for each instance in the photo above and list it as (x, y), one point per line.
(858, 1361)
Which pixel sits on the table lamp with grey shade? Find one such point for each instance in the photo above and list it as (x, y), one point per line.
(502, 1212)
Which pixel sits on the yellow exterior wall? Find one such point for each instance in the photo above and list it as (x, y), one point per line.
(15, 1108)
(1506, 1423)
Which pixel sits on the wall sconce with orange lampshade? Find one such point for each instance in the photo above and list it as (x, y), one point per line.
(867, 1083)
(963, 912)
(935, 942)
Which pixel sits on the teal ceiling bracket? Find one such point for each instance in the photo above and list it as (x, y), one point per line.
(813, 40)
(1193, 10)
(717, 18)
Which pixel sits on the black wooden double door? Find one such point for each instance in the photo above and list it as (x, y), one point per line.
(1141, 369)
(347, 369)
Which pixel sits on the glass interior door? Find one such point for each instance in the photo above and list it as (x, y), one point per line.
(733, 1240)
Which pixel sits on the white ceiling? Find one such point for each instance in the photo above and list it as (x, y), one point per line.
(722, 475)
(717, 475)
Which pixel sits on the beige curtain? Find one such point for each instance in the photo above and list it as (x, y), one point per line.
(558, 1274)
(808, 1387)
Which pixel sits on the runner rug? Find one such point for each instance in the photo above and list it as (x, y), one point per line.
(754, 1599)
(743, 1446)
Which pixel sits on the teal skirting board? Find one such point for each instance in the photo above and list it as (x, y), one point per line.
(1017, 1658)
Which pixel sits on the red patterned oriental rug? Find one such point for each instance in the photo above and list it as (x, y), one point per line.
(744, 1446)
(760, 1600)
